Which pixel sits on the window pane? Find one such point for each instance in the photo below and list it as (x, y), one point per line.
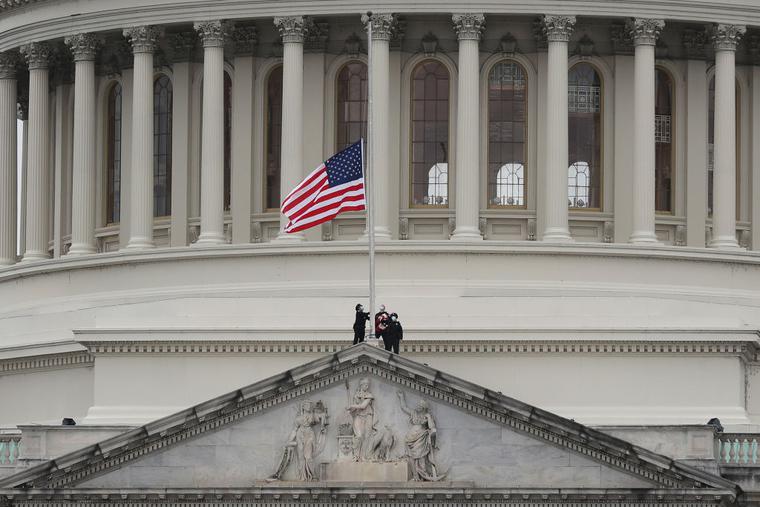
(584, 98)
(430, 135)
(227, 140)
(162, 143)
(663, 141)
(113, 156)
(351, 104)
(273, 138)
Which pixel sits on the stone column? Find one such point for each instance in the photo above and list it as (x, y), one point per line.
(725, 39)
(558, 30)
(84, 47)
(292, 29)
(383, 27)
(213, 35)
(37, 55)
(645, 33)
(469, 28)
(8, 97)
(144, 40)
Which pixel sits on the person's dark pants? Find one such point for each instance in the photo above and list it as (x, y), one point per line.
(358, 336)
(391, 345)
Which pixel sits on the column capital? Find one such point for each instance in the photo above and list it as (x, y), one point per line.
(8, 61)
(36, 54)
(245, 39)
(558, 28)
(726, 37)
(214, 33)
(84, 46)
(469, 25)
(383, 25)
(292, 28)
(645, 31)
(144, 39)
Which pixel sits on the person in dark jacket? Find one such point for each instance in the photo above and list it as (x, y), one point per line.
(361, 318)
(381, 322)
(393, 334)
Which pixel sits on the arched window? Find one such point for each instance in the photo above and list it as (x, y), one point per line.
(663, 138)
(273, 138)
(430, 134)
(507, 128)
(113, 155)
(711, 141)
(227, 140)
(351, 100)
(162, 146)
(584, 104)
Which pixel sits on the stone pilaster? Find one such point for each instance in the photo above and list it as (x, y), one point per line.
(213, 34)
(469, 28)
(725, 39)
(37, 55)
(644, 33)
(84, 48)
(8, 93)
(558, 30)
(144, 40)
(293, 30)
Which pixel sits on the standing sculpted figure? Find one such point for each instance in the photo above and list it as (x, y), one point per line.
(304, 441)
(363, 414)
(421, 441)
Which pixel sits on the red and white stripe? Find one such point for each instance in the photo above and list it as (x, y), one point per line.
(314, 202)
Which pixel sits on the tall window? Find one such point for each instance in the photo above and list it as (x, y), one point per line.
(162, 146)
(113, 155)
(584, 103)
(273, 138)
(351, 103)
(227, 140)
(507, 127)
(711, 141)
(430, 135)
(663, 138)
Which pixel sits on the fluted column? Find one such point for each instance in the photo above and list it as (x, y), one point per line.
(213, 34)
(645, 33)
(725, 39)
(558, 30)
(383, 27)
(84, 47)
(37, 55)
(8, 89)
(292, 29)
(469, 28)
(144, 40)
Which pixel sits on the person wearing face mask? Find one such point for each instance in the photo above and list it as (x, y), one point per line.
(394, 334)
(381, 322)
(361, 318)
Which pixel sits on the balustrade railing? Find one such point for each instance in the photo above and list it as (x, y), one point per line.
(735, 449)
(10, 448)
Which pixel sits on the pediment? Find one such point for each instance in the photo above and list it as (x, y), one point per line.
(294, 431)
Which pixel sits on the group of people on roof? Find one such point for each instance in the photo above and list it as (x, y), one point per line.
(387, 327)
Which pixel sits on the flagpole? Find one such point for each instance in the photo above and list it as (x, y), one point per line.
(369, 189)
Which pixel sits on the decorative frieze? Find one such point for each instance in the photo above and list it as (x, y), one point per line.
(469, 26)
(8, 63)
(213, 34)
(36, 54)
(245, 39)
(645, 31)
(292, 28)
(558, 28)
(384, 26)
(144, 39)
(726, 37)
(84, 46)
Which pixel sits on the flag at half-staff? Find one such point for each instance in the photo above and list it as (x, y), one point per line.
(337, 185)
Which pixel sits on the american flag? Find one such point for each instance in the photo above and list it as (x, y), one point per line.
(335, 186)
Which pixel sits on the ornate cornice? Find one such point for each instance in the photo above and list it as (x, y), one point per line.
(144, 39)
(36, 54)
(292, 28)
(645, 31)
(79, 359)
(8, 63)
(84, 46)
(213, 34)
(726, 37)
(558, 28)
(383, 25)
(245, 39)
(469, 26)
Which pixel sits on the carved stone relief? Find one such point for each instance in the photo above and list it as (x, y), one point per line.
(306, 441)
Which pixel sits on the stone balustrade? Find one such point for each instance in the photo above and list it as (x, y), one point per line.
(737, 449)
